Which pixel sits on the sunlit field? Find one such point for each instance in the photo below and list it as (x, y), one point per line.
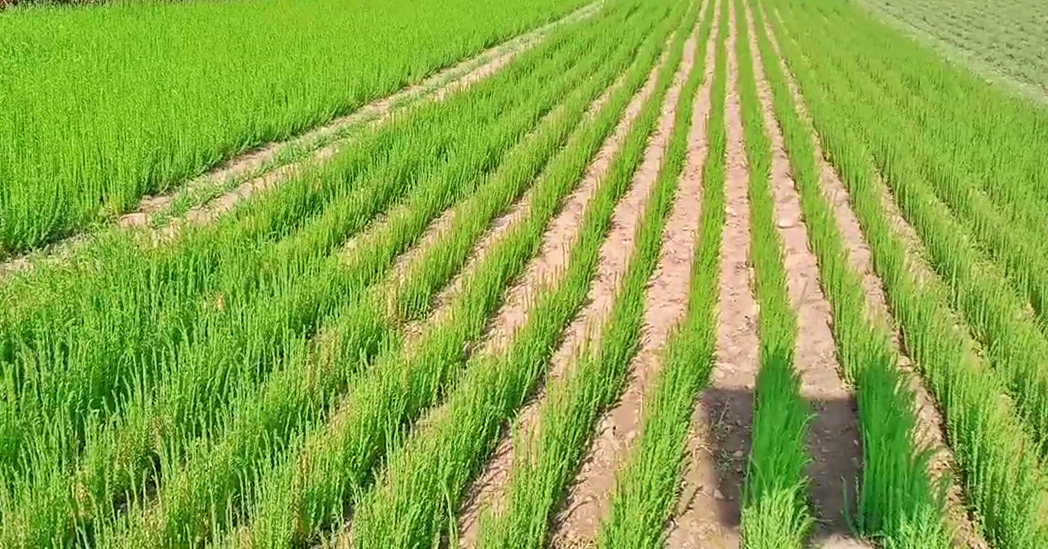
(636, 273)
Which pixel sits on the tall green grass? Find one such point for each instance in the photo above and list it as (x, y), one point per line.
(899, 504)
(998, 461)
(646, 486)
(304, 495)
(202, 486)
(426, 478)
(124, 450)
(104, 104)
(1016, 347)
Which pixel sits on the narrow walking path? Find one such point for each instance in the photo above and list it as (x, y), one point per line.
(708, 514)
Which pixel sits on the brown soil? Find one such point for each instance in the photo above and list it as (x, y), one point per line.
(930, 421)
(324, 141)
(834, 435)
(708, 512)
(666, 301)
(550, 263)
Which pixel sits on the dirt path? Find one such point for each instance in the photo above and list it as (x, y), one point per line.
(666, 301)
(550, 263)
(834, 435)
(930, 421)
(220, 189)
(708, 513)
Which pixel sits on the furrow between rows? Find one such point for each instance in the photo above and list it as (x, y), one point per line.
(588, 502)
(551, 262)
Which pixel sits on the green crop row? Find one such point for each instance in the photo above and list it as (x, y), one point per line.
(427, 477)
(200, 487)
(46, 333)
(944, 133)
(646, 487)
(542, 467)
(156, 310)
(294, 503)
(1016, 347)
(105, 104)
(135, 452)
(775, 511)
(1004, 487)
(898, 502)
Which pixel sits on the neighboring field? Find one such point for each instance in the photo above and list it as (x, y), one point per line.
(685, 273)
(104, 104)
(1005, 39)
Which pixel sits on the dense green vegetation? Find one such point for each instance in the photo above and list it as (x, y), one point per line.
(104, 104)
(1005, 39)
(316, 366)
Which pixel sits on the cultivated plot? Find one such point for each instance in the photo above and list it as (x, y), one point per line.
(670, 273)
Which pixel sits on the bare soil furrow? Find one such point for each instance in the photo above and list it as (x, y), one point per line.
(932, 426)
(708, 513)
(833, 435)
(666, 300)
(546, 266)
(220, 189)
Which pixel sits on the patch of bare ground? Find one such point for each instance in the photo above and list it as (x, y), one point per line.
(833, 435)
(666, 301)
(217, 191)
(549, 264)
(708, 512)
(932, 427)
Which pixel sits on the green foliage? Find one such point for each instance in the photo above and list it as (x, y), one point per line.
(1004, 487)
(104, 104)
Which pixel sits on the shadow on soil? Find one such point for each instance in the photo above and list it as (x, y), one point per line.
(834, 444)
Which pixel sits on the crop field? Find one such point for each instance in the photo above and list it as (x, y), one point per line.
(768, 274)
(1005, 39)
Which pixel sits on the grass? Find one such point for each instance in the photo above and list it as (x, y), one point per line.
(106, 443)
(83, 141)
(411, 298)
(543, 464)
(899, 504)
(307, 368)
(984, 431)
(441, 458)
(646, 486)
(991, 268)
(387, 400)
(1001, 40)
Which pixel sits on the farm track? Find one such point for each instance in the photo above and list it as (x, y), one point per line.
(932, 427)
(209, 196)
(588, 501)
(721, 428)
